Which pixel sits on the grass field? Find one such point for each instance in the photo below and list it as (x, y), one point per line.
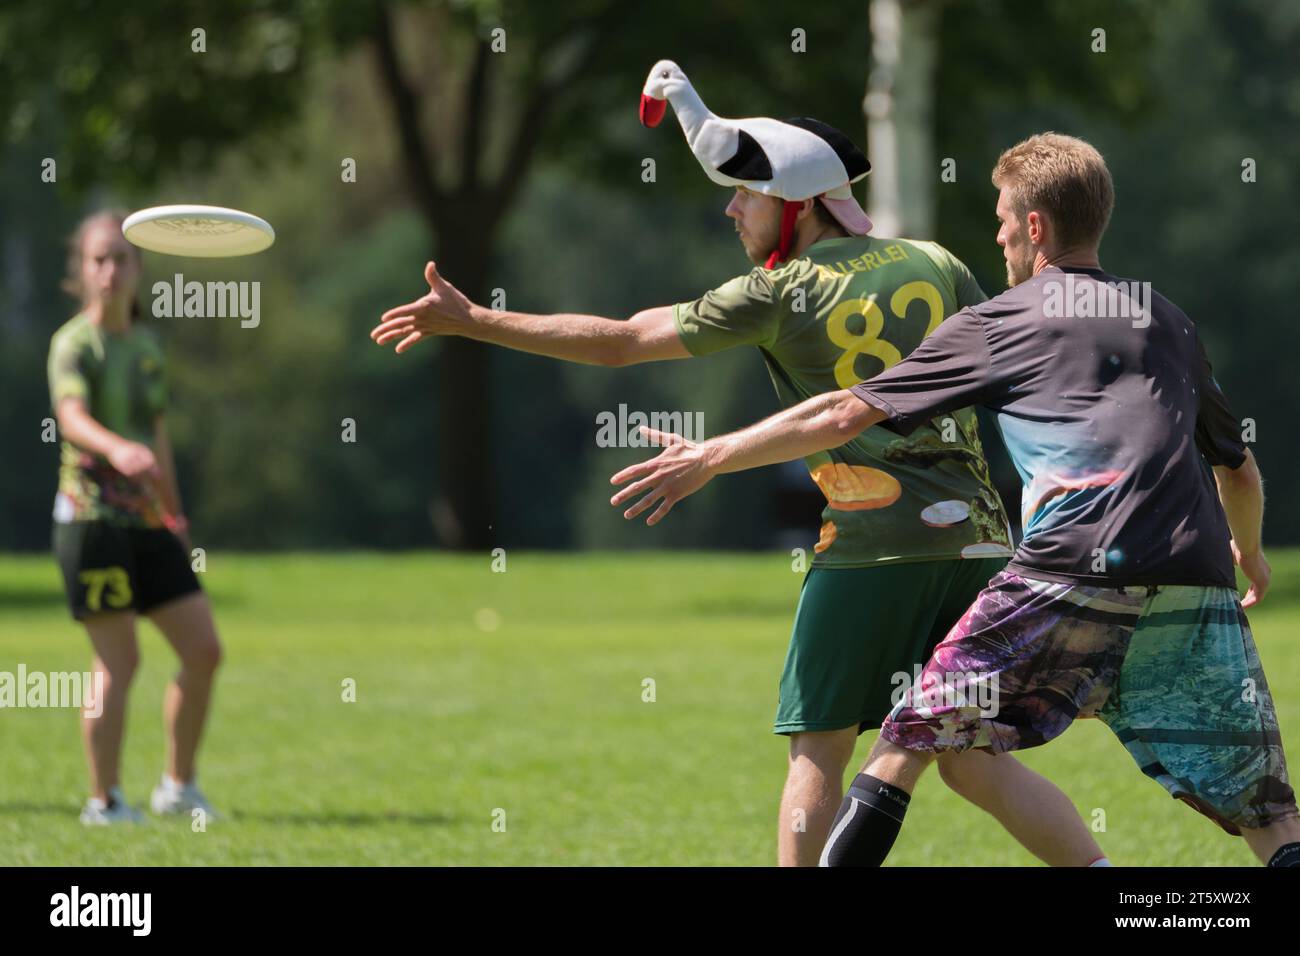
(520, 691)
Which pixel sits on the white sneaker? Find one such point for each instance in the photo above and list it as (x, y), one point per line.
(171, 798)
(100, 813)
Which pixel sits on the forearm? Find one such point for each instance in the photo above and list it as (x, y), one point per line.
(822, 422)
(1241, 490)
(587, 339)
(78, 427)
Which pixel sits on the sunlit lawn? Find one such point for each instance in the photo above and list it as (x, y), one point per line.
(514, 697)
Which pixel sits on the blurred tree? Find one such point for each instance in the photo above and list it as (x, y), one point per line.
(928, 82)
(503, 83)
(131, 106)
(498, 83)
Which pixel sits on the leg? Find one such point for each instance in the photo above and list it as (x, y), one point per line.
(897, 766)
(814, 786)
(116, 657)
(872, 814)
(857, 634)
(187, 625)
(1265, 841)
(994, 651)
(1027, 804)
(1227, 761)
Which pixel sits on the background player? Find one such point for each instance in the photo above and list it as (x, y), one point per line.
(120, 533)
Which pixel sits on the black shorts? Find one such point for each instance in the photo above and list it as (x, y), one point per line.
(108, 567)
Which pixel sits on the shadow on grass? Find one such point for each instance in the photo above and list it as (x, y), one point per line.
(25, 598)
(46, 809)
(39, 598)
(746, 605)
(345, 819)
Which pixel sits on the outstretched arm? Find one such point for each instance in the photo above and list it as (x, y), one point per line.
(648, 336)
(79, 427)
(684, 467)
(1241, 490)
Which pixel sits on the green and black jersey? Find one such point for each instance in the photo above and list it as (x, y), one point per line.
(122, 380)
(843, 312)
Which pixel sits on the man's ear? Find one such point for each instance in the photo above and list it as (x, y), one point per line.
(1036, 227)
(806, 210)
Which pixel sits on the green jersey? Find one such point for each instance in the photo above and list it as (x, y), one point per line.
(121, 380)
(843, 312)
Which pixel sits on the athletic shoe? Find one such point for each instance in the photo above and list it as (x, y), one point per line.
(171, 798)
(101, 813)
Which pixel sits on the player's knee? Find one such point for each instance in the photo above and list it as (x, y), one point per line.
(827, 753)
(119, 671)
(205, 656)
(963, 774)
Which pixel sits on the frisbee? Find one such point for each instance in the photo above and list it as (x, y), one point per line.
(200, 231)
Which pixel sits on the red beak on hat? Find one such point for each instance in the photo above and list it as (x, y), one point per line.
(652, 110)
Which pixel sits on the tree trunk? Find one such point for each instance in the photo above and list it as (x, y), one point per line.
(462, 505)
(464, 219)
(899, 108)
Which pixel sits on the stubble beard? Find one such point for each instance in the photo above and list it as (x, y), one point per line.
(760, 247)
(1018, 271)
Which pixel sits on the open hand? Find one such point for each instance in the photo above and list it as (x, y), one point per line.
(681, 469)
(1258, 573)
(444, 311)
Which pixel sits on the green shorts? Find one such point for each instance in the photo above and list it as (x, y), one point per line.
(861, 635)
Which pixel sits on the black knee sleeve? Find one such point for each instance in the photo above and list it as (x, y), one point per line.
(867, 823)
(1287, 855)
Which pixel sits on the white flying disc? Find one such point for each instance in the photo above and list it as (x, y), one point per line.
(201, 231)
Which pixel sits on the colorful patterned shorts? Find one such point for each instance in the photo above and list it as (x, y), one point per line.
(1172, 670)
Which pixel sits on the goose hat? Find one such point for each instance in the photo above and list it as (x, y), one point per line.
(793, 159)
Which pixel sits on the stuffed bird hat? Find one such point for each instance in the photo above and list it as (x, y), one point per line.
(793, 159)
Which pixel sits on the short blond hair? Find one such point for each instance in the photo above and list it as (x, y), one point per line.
(1064, 177)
